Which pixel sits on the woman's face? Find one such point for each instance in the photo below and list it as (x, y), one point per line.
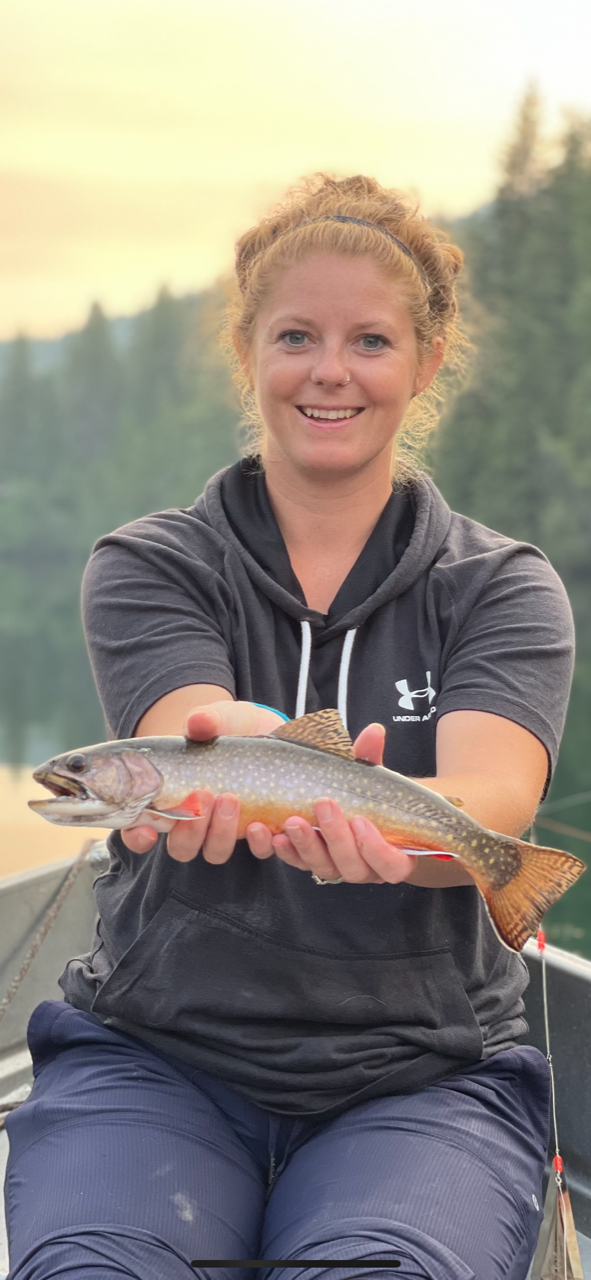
(334, 364)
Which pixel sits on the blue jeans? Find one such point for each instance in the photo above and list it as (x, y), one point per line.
(126, 1162)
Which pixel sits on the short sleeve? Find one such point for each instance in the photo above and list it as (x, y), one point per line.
(155, 620)
(513, 652)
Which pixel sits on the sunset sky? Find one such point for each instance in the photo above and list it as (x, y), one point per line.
(140, 137)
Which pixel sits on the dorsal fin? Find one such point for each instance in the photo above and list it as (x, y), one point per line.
(323, 730)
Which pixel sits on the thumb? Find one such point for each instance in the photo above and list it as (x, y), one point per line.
(226, 717)
(370, 743)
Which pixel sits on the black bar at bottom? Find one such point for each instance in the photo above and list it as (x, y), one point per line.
(271, 1262)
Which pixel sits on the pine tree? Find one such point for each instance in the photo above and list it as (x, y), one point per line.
(515, 452)
(91, 386)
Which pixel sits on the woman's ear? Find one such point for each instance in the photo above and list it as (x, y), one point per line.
(429, 366)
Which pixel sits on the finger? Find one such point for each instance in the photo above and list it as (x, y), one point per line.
(204, 723)
(287, 852)
(154, 821)
(139, 839)
(223, 828)
(342, 845)
(311, 848)
(186, 838)
(369, 745)
(260, 840)
(225, 717)
(390, 863)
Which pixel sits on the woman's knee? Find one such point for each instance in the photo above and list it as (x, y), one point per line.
(108, 1253)
(347, 1251)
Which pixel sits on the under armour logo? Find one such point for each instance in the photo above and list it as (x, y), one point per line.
(406, 700)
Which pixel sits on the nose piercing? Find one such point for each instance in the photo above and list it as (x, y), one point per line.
(346, 380)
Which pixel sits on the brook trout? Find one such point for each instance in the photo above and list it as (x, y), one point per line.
(119, 784)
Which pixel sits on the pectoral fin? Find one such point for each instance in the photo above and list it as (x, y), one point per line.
(176, 815)
(189, 809)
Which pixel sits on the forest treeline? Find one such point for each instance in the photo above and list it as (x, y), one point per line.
(110, 432)
(515, 451)
(117, 428)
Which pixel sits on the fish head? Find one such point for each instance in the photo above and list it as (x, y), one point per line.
(102, 786)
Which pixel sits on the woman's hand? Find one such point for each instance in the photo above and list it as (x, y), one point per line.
(352, 850)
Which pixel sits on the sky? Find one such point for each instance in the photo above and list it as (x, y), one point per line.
(140, 137)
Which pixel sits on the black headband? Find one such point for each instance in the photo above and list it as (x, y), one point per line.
(362, 222)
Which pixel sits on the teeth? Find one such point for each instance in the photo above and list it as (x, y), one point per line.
(330, 413)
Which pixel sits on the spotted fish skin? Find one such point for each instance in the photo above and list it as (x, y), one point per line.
(276, 777)
(276, 780)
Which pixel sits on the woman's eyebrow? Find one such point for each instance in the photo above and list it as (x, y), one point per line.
(359, 324)
(295, 320)
(373, 324)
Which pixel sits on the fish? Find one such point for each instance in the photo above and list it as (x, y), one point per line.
(119, 784)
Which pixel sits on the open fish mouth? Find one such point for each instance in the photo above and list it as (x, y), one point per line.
(63, 787)
(70, 802)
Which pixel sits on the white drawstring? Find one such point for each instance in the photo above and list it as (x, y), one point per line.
(304, 670)
(344, 674)
(305, 656)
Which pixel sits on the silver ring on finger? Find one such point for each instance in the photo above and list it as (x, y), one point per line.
(317, 880)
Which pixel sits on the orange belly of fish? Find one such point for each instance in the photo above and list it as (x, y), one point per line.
(275, 816)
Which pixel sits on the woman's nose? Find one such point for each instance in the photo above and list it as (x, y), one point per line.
(331, 368)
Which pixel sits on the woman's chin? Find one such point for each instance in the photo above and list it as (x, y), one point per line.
(326, 455)
(337, 455)
(332, 467)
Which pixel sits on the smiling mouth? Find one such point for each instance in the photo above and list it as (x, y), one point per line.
(329, 415)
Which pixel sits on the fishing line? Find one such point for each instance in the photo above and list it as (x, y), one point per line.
(567, 802)
(557, 1161)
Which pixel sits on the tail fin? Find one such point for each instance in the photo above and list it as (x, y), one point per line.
(517, 908)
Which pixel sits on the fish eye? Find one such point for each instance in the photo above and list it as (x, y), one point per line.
(76, 763)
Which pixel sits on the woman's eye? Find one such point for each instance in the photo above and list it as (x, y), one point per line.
(293, 338)
(372, 341)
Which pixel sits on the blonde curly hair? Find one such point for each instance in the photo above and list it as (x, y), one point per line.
(307, 221)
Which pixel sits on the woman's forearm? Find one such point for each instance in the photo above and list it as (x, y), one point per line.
(495, 800)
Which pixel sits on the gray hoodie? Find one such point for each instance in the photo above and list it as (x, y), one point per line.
(310, 998)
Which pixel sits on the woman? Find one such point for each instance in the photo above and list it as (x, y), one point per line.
(255, 1062)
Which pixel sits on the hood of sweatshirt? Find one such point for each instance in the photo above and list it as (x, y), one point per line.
(417, 519)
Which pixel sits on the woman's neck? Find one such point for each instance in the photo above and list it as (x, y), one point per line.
(325, 524)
